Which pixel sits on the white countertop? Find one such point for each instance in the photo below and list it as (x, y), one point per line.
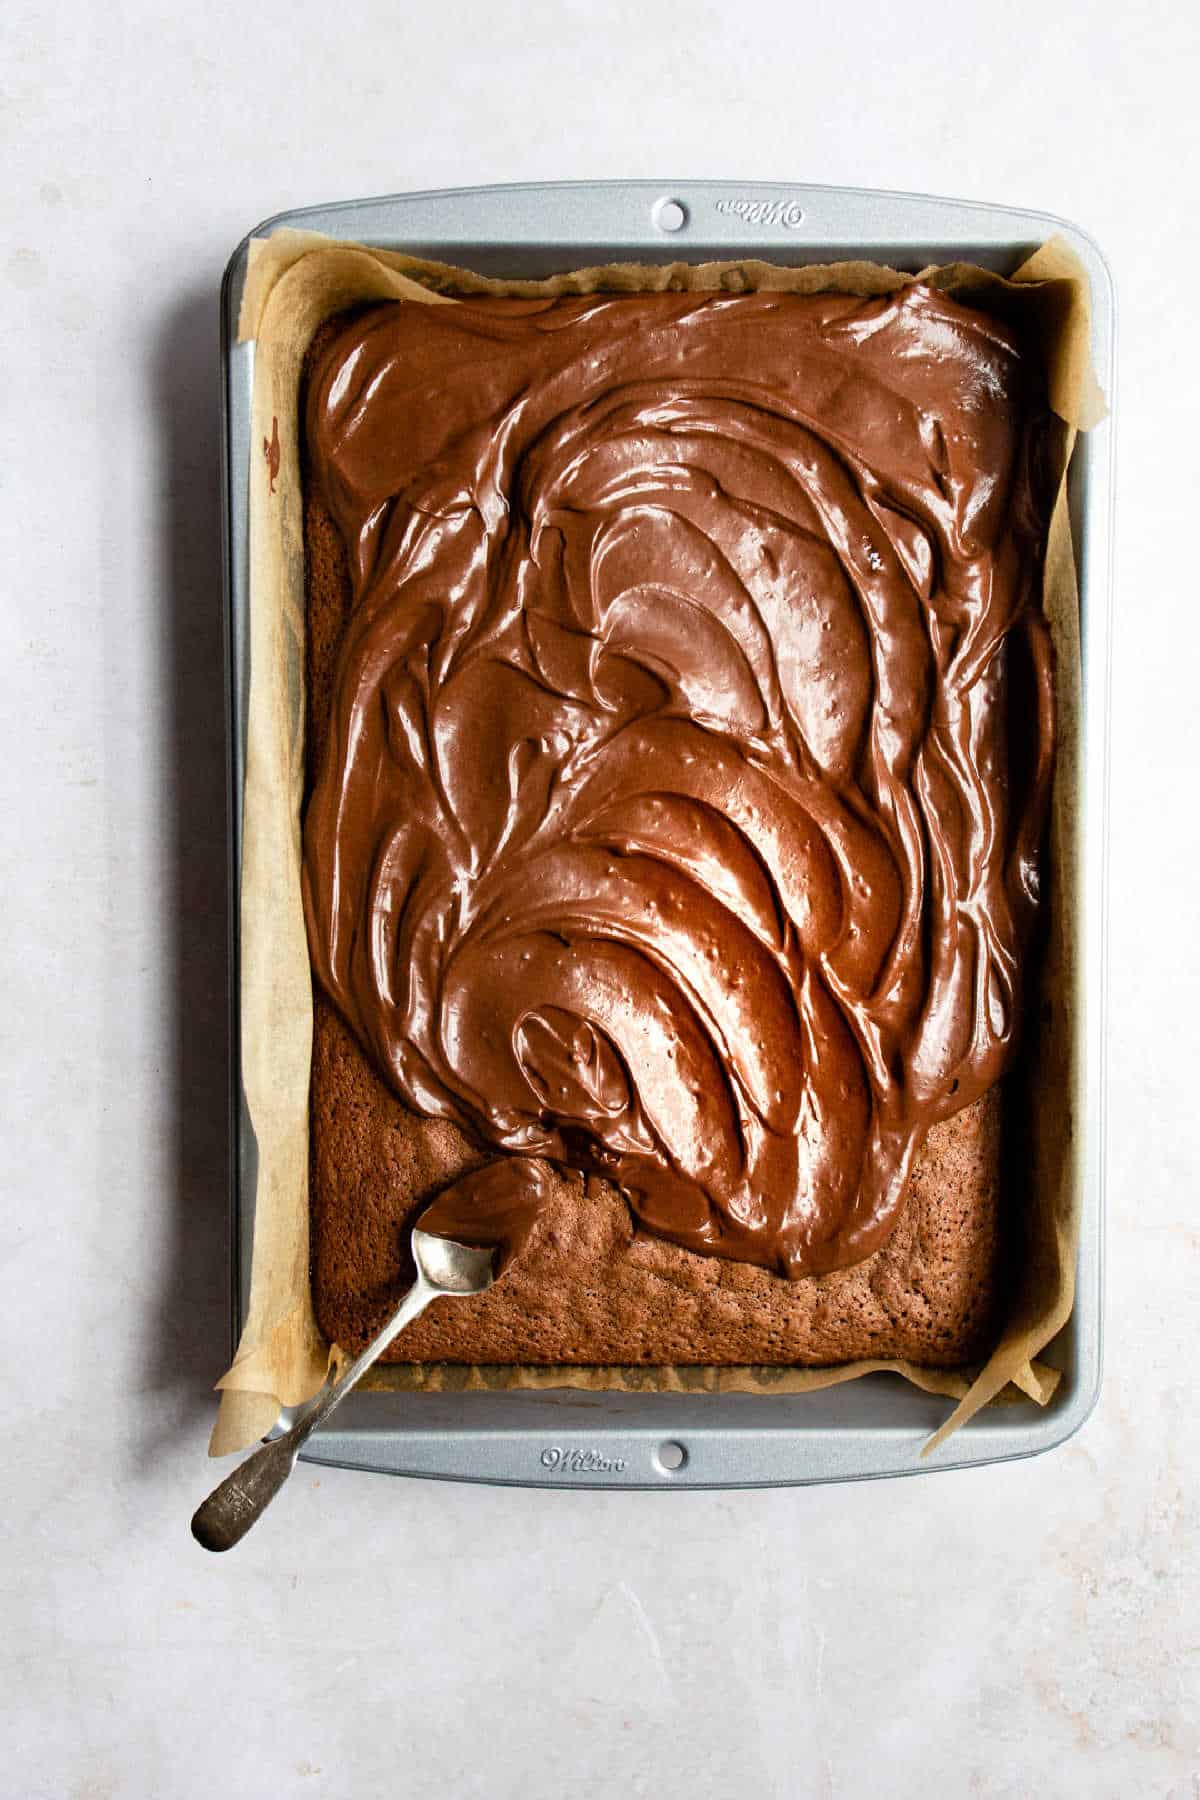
(1025, 1629)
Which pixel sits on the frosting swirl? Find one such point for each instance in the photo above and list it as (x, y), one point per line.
(679, 810)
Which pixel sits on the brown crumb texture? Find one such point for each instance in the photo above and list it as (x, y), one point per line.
(588, 1290)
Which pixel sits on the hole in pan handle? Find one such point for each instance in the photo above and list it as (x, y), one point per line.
(669, 214)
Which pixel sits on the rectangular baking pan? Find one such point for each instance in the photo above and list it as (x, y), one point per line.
(876, 1425)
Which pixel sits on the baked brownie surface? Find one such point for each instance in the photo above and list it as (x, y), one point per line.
(921, 1280)
(591, 1289)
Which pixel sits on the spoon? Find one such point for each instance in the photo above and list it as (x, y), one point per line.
(443, 1267)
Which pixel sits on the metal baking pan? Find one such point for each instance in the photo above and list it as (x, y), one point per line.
(876, 1425)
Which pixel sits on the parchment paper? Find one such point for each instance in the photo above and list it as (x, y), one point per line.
(295, 281)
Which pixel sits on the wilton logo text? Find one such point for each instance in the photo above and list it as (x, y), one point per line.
(765, 212)
(580, 1462)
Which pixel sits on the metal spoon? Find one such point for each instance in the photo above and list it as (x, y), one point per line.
(443, 1267)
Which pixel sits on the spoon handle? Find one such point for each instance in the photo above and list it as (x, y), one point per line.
(240, 1500)
(223, 1520)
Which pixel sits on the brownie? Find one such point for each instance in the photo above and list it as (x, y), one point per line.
(619, 1270)
(589, 1289)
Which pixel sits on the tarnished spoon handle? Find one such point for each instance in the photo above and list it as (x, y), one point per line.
(222, 1520)
(240, 1500)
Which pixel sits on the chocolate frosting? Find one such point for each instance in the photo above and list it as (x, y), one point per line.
(679, 811)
